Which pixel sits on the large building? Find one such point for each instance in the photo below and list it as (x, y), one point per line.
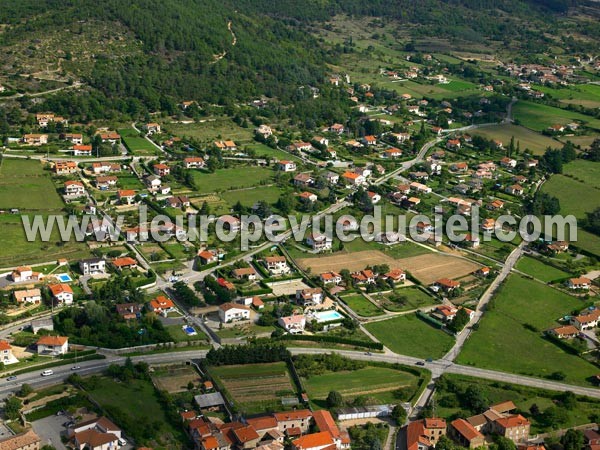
(27, 440)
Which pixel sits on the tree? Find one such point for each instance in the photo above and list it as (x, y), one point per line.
(12, 407)
(554, 416)
(503, 443)
(474, 399)
(25, 390)
(399, 414)
(568, 400)
(461, 319)
(572, 440)
(334, 399)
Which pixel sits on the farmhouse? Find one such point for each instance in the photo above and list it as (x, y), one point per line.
(161, 169)
(586, 320)
(424, 434)
(62, 293)
(293, 324)
(515, 189)
(514, 427)
(26, 440)
(54, 345)
(74, 188)
(110, 137)
(453, 144)
(104, 167)
(330, 278)
(508, 163)
(314, 441)
(447, 285)
(264, 130)
(207, 256)
(276, 265)
(579, 283)
(226, 145)
(28, 296)
(445, 313)
(300, 419)
(303, 179)
(564, 332)
(24, 273)
(106, 182)
(465, 434)
(92, 266)
(152, 128)
(125, 262)
(230, 312)
(353, 179)
(35, 139)
(336, 128)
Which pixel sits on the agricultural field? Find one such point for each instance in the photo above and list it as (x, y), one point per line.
(256, 387)
(405, 299)
(377, 383)
(213, 129)
(538, 117)
(248, 197)
(540, 270)
(174, 379)
(516, 321)
(26, 186)
(528, 139)
(136, 144)
(361, 305)
(587, 172)
(232, 178)
(570, 193)
(587, 95)
(448, 402)
(433, 266)
(409, 335)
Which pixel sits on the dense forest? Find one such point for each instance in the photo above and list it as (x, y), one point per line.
(188, 51)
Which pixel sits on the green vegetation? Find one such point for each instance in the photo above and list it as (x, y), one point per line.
(409, 335)
(527, 139)
(540, 270)
(248, 197)
(405, 299)
(516, 321)
(232, 178)
(539, 117)
(361, 305)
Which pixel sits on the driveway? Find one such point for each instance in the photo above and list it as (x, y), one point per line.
(49, 430)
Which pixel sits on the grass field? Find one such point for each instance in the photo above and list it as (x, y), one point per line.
(570, 193)
(587, 95)
(256, 387)
(539, 117)
(211, 130)
(136, 144)
(134, 402)
(26, 186)
(522, 396)
(174, 379)
(178, 335)
(378, 383)
(361, 305)
(509, 325)
(249, 197)
(586, 171)
(539, 270)
(409, 335)
(528, 139)
(232, 178)
(405, 299)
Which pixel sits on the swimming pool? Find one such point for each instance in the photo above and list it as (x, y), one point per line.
(327, 316)
(190, 331)
(64, 277)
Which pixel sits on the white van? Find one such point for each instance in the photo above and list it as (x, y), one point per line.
(47, 372)
(122, 442)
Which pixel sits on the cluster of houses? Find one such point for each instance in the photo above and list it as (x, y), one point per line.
(472, 432)
(267, 432)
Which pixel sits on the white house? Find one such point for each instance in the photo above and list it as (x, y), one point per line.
(74, 188)
(193, 162)
(62, 293)
(579, 283)
(293, 324)
(330, 278)
(92, 266)
(286, 166)
(319, 242)
(230, 312)
(54, 345)
(586, 320)
(28, 296)
(152, 128)
(276, 265)
(309, 296)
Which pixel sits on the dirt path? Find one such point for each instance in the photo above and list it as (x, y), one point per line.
(220, 56)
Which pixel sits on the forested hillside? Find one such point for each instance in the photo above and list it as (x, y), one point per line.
(150, 54)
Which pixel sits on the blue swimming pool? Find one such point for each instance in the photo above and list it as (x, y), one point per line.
(327, 316)
(64, 277)
(190, 331)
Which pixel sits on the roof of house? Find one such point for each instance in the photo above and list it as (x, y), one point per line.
(434, 423)
(19, 441)
(20, 295)
(580, 280)
(320, 439)
(124, 261)
(161, 302)
(52, 340)
(4, 345)
(447, 282)
(228, 306)
(242, 271)
(60, 288)
(93, 438)
(126, 193)
(292, 415)
(324, 421)
(516, 420)
(506, 406)
(467, 430)
(263, 422)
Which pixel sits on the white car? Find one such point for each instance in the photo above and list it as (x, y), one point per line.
(47, 373)
(122, 442)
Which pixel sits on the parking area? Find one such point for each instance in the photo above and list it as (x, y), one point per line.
(4, 431)
(49, 430)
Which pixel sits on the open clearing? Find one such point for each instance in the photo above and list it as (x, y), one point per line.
(229, 179)
(256, 387)
(409, 335)
(426, 268)
(539, 117)
(528, 139)
(510, 338)
(211, 130)
(374, 382)
(540, 270)
(174, 379)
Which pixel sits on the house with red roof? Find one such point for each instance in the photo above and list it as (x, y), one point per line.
(514, 427)
(465, 434)
(161, 305)
(61, 293)
(293, 324)
(54, 345)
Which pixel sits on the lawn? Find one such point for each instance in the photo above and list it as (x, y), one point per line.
(538, 117)
(570, 192)
(133, 403)
(510, 334)
(178, 335)
(585, 171)
(404, 250)
(264, 151)
(25, 185)
(409, 335)
(406, 299)
(539, 270)
(248, 197)
(232, 178)
(211, 130)
(528, 139)
(361, 305)
(378, 383)
(587, 95)
(135, 143)
(448, 404)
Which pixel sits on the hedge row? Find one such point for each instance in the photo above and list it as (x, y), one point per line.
(333, 339)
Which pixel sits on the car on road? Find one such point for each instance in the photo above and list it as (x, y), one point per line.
(420, 363)
(75, 367)
(11, 378)
(122, 442)
(47, 373)
(429, 360)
